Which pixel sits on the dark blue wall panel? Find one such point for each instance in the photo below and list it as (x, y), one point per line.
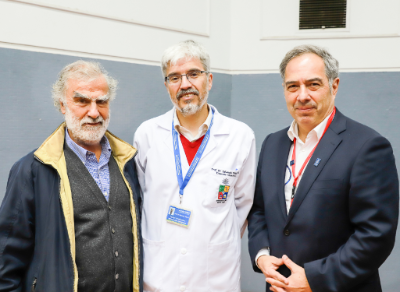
(27, 115)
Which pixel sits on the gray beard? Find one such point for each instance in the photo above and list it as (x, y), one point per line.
(191, 108)
(89, 135)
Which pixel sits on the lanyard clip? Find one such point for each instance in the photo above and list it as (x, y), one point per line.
(180, 199)
(293, 191)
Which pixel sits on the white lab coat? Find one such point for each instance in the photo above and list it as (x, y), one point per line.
(205, 256)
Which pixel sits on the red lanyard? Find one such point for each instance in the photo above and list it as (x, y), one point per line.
(292, 162)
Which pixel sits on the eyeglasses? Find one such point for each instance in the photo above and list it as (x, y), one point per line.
(191, 76)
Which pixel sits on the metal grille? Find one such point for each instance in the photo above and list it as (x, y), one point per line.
(317, 14)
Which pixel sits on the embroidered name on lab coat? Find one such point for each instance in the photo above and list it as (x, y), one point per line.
(225, 172)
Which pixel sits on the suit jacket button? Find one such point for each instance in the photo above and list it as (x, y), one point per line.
(287, 232)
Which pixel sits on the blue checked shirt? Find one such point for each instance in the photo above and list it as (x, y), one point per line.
(98, 170)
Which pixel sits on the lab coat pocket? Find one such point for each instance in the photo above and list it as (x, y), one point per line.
(153, 253)
(219, 189)
(223, 269)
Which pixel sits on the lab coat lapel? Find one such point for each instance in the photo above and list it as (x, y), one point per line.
(165, 122)
(328, 144)
(212, 143)
(218, 128)
(168, 140)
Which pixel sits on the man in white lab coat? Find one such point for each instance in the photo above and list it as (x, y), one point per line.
(196, 170)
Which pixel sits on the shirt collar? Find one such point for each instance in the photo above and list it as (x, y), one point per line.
(206, 123)
(293, 131)
(82, 152)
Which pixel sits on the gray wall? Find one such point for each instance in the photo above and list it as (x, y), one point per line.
(27, 115)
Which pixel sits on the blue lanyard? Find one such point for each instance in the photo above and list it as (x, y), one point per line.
(183, 182)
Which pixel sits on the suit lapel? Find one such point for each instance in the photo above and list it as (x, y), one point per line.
(281, 161)
(328, 144)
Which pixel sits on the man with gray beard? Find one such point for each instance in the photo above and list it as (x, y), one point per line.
(70, 219)
(196, 169)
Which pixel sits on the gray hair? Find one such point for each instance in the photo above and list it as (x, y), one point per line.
(81, 70)
(331, 64)
(187, 49)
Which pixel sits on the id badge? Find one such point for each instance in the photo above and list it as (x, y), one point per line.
(179, 216)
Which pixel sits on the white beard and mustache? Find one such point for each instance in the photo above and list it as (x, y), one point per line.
(86, 134)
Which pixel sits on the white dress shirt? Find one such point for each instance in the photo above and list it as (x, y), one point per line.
(303, 149)
(185, 132)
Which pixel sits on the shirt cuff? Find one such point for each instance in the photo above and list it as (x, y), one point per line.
(263, 251)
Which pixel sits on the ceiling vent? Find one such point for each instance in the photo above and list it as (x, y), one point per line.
(322, 14)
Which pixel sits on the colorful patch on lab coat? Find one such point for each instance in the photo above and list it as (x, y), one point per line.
(223, 191)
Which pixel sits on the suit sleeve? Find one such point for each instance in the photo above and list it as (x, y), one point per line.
(16, 228)
(244, 186)
(373, 211)
(258, 233)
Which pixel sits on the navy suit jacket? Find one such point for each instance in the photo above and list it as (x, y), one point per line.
(342, 224)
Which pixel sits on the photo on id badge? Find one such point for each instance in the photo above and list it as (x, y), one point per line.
(171, 211)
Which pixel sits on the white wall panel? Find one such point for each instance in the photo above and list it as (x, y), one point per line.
(170, 15)
(270, 28)
(365, 19)
(242, 36)
(279, 18)
(75, 28)
(371, 17)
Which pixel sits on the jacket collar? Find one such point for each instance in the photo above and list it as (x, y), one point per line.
(318, 131)
(51, 150)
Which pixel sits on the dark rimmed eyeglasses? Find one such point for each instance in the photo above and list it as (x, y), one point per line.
(191, 76)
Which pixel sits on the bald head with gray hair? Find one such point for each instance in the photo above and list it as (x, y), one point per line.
(331, 64)
(184, 50)
(81, 70)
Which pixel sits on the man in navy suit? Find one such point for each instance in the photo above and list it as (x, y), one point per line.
(327, 193)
